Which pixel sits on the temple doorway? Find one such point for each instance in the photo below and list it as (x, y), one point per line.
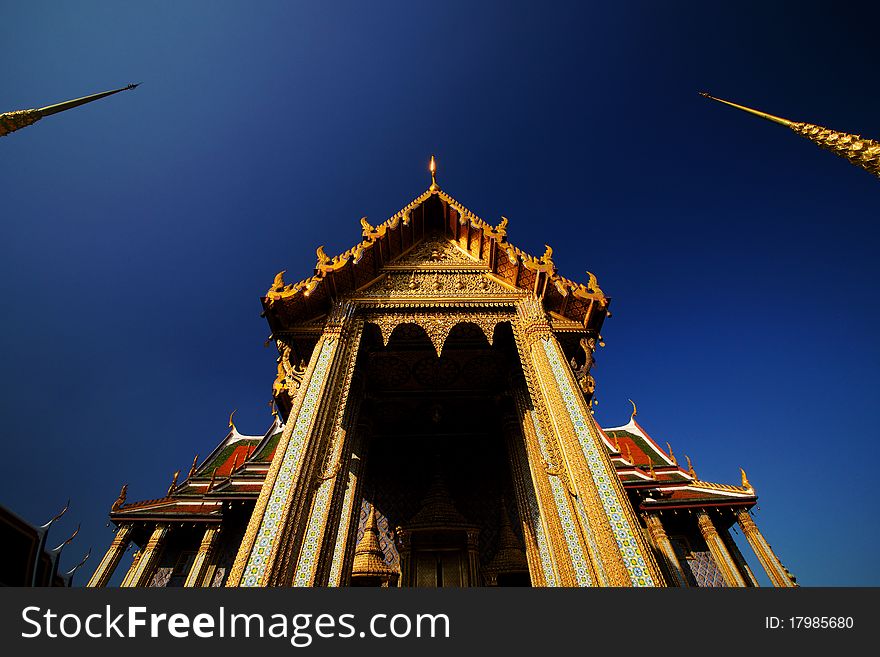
(438, 504)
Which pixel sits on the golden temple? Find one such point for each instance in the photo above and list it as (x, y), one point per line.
(434, 429)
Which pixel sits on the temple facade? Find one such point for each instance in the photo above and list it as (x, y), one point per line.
(433, 428)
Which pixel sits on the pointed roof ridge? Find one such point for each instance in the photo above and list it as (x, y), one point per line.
(280, 290)
(232, 437)
(635, 428)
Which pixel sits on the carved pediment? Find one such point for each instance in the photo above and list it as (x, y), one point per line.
(449, 284)
(434, 252)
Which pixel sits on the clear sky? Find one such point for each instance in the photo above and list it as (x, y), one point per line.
(139, 232)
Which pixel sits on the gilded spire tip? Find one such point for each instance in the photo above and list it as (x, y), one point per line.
(749, 110)
(231, 423)
(635, 410)
(432, 167)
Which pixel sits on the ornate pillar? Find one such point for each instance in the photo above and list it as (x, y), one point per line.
(131, 570)
(722, 557)
(349, 516)
(538, 554)
(142, 568)
(619, 552)
(316, 555)
(566, 546)
(196, 574)
(771, 563)
(111, 559)
(270, 541)
(664, 546)
(739, 559)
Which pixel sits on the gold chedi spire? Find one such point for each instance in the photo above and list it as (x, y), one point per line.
(864, 153)
(369, 560)
(509, 557)
(12, 121)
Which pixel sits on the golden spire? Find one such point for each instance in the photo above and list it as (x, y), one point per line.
(192, 469)
(635, 410)
(864, 153)
(12, 121)
(231, 423)
(745, 480)
(432, 167)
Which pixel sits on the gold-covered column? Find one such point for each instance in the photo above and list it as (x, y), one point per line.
(199, 567)
(718, 549)
(620, 551)
(264, 556)
(142, 568)
(739, 559)
(316, 553)
(661, 541)
(111, 559)
(771, 563)
(346, 534)
(538, 554)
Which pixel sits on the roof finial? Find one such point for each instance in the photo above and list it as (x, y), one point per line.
(745, 480)
(671, 455)
(121, 499)
(691, 470)
(635, 411)
(231, 423)
(192, 469)
(173, 483)
(432, 167)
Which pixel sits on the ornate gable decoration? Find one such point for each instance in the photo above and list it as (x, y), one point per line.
(434, 249)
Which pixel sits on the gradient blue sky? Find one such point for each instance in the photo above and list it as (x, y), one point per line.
(139, 232)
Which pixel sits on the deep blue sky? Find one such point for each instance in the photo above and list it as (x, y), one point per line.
(139, 232)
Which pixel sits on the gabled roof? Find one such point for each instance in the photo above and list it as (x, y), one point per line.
(431, 213)
(643, 465)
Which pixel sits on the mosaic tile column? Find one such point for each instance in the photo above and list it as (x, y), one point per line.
(317, 549)
(719, 552)
(197, 571)
(142, 569)
(664, 547)
(568, 545)
(267, 539)
(604, 510)
(112, 557)
(771, 563)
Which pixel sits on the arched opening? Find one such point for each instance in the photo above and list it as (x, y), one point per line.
(438, 502)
